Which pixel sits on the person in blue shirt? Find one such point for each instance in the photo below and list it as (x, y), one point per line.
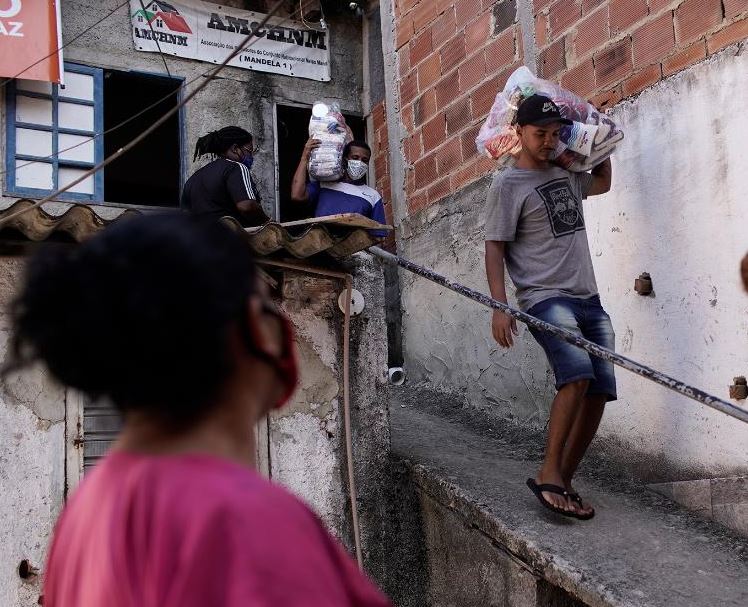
(348, 195)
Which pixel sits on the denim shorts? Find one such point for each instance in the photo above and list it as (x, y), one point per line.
(587, 318)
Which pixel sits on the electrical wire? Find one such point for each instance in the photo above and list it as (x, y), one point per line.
(158, 44)
(69, 42)
(133, 142)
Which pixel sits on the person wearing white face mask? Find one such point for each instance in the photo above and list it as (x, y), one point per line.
(348, 195)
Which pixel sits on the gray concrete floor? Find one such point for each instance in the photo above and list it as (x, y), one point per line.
(640, 549)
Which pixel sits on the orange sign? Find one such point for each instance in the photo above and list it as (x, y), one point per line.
(30, 39)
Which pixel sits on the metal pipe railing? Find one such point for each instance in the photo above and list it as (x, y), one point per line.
(576, 340)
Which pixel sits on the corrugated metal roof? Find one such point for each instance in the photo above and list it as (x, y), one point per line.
(337, 235)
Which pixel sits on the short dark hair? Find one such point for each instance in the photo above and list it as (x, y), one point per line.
(356, 143)
(140, 314)
(217, 142)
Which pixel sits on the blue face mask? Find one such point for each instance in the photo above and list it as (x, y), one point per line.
(247, 160)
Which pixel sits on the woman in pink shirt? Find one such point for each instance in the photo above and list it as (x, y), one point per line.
(165, 317)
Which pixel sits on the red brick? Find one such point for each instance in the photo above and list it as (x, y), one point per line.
(466, 11)
(465, 175)
(384, 139)
(734, 7)
(733, 33)
(441, 189)
(608, 98)
(404, 31)
(406, 115)
(562, 15)
(443, 28)
(641, 80)
(539, 5)
(420, 47)
(471, 72)
(412, 147)
(429, 71)
(624, 13)
(614, 63)
(552, 59)
(408, 88)
(477, 32)
(417, 202)
(423, 14)
(501, 52)
(434, 132)
(485, 165)
(380, 164)
(444, 5)
(425, 171)
(483, 97)
(458, 116)
(452, 53)
(590, 5)
(541, 30)
(581, 79)
(693, 54)
(407, 5)
(467, 141)
(592, 32)
(378, 116)
(403, 60)
(449, 156)
(655, 6)
(694, 18)
(447, 89)
(424, 107)
(654, 40)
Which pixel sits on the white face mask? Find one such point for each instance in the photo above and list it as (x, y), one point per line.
(357, 169)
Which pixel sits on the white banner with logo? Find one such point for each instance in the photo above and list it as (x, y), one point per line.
(210, 32)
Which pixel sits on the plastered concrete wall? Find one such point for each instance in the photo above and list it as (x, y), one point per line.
(238, 97)
(307, 438)
(677, 210)
(32, 463)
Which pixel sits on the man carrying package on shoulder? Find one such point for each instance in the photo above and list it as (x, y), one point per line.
(535, 225)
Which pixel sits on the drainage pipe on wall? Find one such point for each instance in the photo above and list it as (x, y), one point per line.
(348, 282)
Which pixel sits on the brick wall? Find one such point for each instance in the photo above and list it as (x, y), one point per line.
(453, 57)
(380, 160)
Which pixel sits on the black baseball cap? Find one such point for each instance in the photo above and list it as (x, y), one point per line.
(539, 110)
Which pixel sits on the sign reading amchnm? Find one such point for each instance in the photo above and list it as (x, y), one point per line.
(210, 32)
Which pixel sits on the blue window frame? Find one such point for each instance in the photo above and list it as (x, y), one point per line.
(54, 133)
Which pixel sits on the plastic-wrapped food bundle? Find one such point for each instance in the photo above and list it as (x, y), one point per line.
(328, 125)
(586, 143)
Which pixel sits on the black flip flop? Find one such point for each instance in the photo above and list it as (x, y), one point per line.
(538, 491)
(576, 498)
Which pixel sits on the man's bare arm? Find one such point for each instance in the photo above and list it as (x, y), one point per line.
(502, 326)
(602, 175)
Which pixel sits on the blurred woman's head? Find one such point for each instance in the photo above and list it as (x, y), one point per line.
(157, 313)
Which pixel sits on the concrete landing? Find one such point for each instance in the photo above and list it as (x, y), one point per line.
(639, 550)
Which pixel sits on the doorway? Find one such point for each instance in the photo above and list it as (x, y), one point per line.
(292, 132)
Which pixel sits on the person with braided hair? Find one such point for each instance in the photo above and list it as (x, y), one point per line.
(224, 187)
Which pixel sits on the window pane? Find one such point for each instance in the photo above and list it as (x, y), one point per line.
(33, 143)
(33, 111)
(81, 153)
(34, 86)
(75, 116)
(67, 175)
(34, 175)
(78, 86)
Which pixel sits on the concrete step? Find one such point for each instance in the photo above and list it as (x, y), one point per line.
(641, 549)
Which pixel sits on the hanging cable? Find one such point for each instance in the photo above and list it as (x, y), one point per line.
(155, 38)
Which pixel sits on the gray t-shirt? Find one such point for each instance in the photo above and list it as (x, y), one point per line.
(538, 214)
